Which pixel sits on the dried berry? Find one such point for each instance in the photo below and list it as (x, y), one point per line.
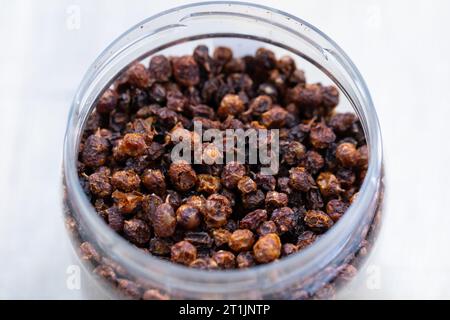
(224, 259)
(317, 219)
(285, 219)
(265, 182)
(276, 199)
(293, 152)
(107, 102)
(342, 122)
(182, 175)
(253, 219)
(300, 179)
(336, 208)
(267, 248)
(160, 68)
(130, 288)
(208, 183)
(223, 54)
(204, 264)
(266, 227)
(217, 210)
(186, 71)
(99, 182)
(160, 247)
(245, 260)
(137, 75)
(137, 231)
(132, 145)
(274, 117)
(253, 200)
(231, 104)
(221, 236)
(188, 217)
(153, 294)
(127, 202)
(125, 180)
(347, 154)
(88, 252)
(288, 249)
(115, 219)
(266, 58)
(154, 181)
(246, 185)
(328, 184)
(232, 173)
(241, 240)
(321, 136)
(164, 220)
(183, 252)
(260, 105)
(95, 151)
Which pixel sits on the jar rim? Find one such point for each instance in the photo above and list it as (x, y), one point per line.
(261, 276)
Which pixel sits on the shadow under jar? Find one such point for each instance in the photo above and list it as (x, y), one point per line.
(113, 268)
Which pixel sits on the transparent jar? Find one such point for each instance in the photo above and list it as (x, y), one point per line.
(121, 270)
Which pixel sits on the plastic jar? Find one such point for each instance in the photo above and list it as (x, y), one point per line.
(313, 273)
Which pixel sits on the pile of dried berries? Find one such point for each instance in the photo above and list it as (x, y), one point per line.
(220, 216)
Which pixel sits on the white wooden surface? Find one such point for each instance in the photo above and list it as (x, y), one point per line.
(401, 48)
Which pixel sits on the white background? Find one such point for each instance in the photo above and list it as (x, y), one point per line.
(402, 49)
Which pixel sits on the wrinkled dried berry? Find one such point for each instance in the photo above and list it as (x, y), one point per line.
(127, 202)
(224, 259)
(208, 183)
(288, 249)
(217, 210)
(246, 185)
(107, 102)
(182, 175)
(347, 154)
(253, 219)
(241, 240)
(285, 219)
(253, 200)
(99, 182)
(276, 199)
(328, 184)
(186, 71)
(95, 151)
(231, 104)
(154, 181)
(265, 182)
(164, 220)
(317, 219)
(300, 179)
(274, 118)
(125, 180)
(232, 173)
(245, 260)
(188, 217)
(267, 248)
(183, 252)
(321, 136)
(160, 68)
(137, 231)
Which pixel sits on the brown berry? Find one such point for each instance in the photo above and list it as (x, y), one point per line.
(267, 248)
(183, 252)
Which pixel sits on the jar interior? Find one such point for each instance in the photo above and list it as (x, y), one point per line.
(181, 37)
